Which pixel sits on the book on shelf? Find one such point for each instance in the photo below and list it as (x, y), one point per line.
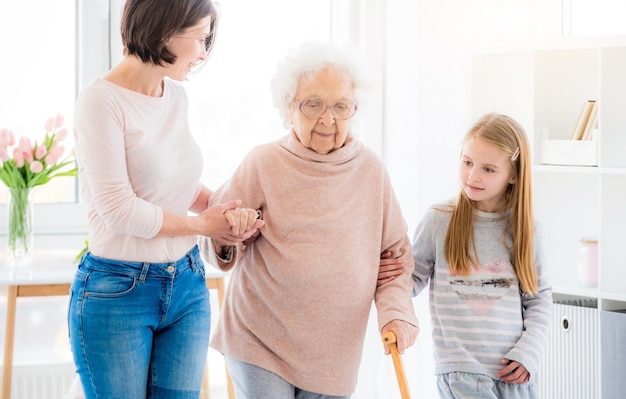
(592, 122)
(583, 119)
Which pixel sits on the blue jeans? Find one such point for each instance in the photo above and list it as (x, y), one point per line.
(254, 382)
(140, 330)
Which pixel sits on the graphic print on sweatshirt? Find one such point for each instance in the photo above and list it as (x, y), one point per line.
(483, 288)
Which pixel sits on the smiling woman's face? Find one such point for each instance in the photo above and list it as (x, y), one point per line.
(323, 134)
(190, 49)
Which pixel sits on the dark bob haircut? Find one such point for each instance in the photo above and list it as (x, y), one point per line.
(148, 24)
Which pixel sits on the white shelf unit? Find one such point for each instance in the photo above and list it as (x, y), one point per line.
(545, 90)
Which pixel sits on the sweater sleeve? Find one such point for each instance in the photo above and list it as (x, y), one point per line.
(208, 254)
(393, 300)
(101, 151)
(537, 314)
(424, 252)
(244, 185)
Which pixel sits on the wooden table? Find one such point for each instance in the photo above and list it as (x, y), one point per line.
(54, 279)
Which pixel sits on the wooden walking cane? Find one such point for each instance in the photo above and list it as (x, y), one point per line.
(389, 338)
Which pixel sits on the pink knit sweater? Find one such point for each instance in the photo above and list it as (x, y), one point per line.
(298, 299)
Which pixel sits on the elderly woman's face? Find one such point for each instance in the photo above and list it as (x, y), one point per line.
(323, 134)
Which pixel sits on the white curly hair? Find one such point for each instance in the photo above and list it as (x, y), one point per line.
(307, 59)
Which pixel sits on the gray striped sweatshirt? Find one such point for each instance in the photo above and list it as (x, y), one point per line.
(480, 319)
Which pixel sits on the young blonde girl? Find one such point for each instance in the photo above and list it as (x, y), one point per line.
(480, 255)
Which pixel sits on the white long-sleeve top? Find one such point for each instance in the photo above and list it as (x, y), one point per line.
(136, 158)
(480, 319)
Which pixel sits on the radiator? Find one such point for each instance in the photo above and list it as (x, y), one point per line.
(570, 365)
(41, 381)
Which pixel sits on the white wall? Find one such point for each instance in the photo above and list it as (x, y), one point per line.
(428, 83)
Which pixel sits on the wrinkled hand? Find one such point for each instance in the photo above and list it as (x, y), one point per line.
(389, 268)
(406, 333)
(228, 224)
(513, 372)
(241, 219)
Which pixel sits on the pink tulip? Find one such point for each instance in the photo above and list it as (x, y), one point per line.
(54, 123)
(55, 153)
(18, 157)
(49, 125)
(36, 167)
(26, 149)
(62, 134)
(25, 145)
(4, 155)
(29, 156)
(58, 120)
(57, 149)
(6, 137)
(41, 152)
(51, 159)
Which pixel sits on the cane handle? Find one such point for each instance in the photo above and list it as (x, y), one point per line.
(390, 339)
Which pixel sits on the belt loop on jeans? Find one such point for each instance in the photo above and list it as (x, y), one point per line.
(192, 259)
(144, 272)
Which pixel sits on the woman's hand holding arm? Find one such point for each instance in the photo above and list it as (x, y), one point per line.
(245, 225)
(389, 268)
(214, 223)
(241, 223)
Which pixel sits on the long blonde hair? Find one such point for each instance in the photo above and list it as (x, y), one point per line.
(508, 135)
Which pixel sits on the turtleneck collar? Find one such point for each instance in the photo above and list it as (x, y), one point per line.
(344, 154)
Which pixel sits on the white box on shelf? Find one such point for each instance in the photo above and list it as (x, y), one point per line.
(569, 152)
(569, 369)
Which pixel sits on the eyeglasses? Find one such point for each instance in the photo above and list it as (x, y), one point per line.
(315, 108)
(206, 41)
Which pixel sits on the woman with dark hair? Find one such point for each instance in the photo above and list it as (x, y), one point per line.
(139, 314)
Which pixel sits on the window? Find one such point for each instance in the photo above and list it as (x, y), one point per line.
(230, 104)
(63, 45)
(230, 107)
(595, 18)
(38, 76)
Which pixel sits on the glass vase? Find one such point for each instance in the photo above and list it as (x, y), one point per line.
(20, 235)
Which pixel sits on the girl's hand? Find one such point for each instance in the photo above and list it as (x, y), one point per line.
(513, 372)
(389, 268)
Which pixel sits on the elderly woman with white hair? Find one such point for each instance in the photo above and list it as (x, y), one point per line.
(298, 301)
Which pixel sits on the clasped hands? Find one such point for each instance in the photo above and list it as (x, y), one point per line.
(235, 225)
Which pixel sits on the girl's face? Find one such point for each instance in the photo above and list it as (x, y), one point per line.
(323, 134)
(485, 174)
(189, 47)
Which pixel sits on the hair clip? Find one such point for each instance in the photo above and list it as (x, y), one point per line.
(515, 155)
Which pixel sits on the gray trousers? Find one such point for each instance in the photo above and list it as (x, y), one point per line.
(478, 386)
(253, 382)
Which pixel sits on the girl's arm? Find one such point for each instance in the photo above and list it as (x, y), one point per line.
(537, 315)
